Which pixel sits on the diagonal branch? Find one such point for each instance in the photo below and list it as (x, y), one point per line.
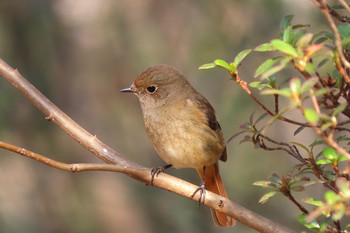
(341, 61)
(243, 84)
(119, 163)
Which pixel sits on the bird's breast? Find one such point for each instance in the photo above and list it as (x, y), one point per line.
(182, 137)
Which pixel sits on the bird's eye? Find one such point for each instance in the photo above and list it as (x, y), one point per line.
(151, 89)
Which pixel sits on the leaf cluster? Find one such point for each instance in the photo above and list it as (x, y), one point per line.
(320, 91)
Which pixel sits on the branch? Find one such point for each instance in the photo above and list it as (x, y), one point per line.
(292, 151)
(326, 11)
(244, 86)
(346, 6)
(119, 163)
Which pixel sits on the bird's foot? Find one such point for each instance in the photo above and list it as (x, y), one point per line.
(157, 170)
(201, 190)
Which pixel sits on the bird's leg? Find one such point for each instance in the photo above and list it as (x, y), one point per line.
(201, 190)
(157, 170)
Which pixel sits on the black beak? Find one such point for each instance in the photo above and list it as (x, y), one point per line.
(128, 90)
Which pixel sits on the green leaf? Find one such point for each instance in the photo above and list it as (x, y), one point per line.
(207, 66)
(304, 41)
(326, 126)
(233, 68)
(323, 161)
(266, 47)
(345, 42)
(285, 92)
(331, 197)
(294, 85)
(347, 226)
(266, 197)
(275, 178)
(288, 34)
(286, 21)
(308, 84)
(310, 67)
(223, 64)
(324, 61)
(342, 138)
(337, 7)
(260, 85)
(264, 183)
(261, 117)
(256, 84)
(302, 146)
(344, 30)
(342, 158)
(317, 143)
(266, 65)
(322, 36)
(320, 92)
(297, 26)
(284, 47)
(272, 81)
(339, 109)
(330, 153)
(241, 56)
(278, 67)
(311, 225)
(298, 130)
(310, 115)
(321, 40)
(313, 201)
(297, 35)
(336, 75)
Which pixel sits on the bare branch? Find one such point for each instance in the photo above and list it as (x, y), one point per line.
(121, 164)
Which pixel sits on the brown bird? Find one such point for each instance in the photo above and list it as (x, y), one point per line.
(182, 127)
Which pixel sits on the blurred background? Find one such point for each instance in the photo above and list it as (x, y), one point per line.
(80, 54)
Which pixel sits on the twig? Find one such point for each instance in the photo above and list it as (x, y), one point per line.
(325, 10)
(291, 150)
(276, 104)
(314, 102)
(288, 194)
(244, 86)
(123, 165)
(328, 138)
(345, 5)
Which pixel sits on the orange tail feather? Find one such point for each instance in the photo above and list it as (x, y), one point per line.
(214, 184)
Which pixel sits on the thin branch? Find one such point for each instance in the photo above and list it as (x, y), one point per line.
(345, 5)
(122, 164)
(288, 194)
(325, 9)
(276, 103)
(244, 86)
(330, 141)
(339, 17)
(54, 114)
(163, 181)
(290, 151)
(314, 102)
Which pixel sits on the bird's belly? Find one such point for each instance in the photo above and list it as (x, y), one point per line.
(186, 143)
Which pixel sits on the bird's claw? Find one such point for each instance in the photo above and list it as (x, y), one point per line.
(155, 171)
(201, 190)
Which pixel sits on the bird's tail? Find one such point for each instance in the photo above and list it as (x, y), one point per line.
(214, 184)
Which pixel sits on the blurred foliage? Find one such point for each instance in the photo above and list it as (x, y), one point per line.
(81, 53)
(323, 101)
